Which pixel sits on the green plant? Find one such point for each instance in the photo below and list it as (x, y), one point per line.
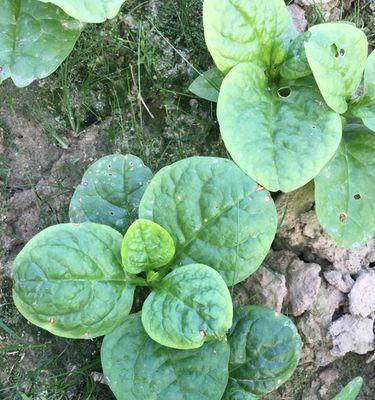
(37, 37)
(351, 390)
(286, 105)
(203, 225)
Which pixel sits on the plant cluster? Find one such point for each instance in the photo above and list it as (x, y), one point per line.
(38, 35)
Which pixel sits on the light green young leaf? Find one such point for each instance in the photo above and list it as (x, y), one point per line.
(241, 31)
(93, 11)
(207, 85)
(216, 215)
(345, 191)
(69, 280)
(138, 368)
(351, 390)
(280, 135)
(190, 306)
(265, 350)
(110, 192)
(35, 39)
(337, 55)
(146, 246)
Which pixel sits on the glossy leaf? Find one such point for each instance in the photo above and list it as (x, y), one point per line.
(146, 246)
(239, 31)
(337, 55)
(345, 191)
(190, 306)
(89, 10)
(207, 85)
(216, 215)
(351, 390)
(265, 350)
(69, 280)
(280, 135)
(110, 192)
(139, 368)
(35, 39)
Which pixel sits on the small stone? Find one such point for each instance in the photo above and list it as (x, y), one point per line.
(362, 295)
(339, 280)
(298, 17)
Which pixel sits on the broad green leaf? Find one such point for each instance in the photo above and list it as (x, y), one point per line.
(216, 215)
(233, 393)
(337, 55)
(190, 306)
(280, 135)
(146, 246)
(351, 390)
(265, 350)
(239, 31)
(35, 39)
(296, 65)
(138, 368)
(110, 192)
(345, 191)
(89, 10)
(370, 76)
(207, 85)
(69, 280)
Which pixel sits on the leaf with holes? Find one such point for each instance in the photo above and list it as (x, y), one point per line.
(215, 214)
(239, 31)
(265, 350)
(69, 280)
(280, 135)
(139, 368)
(337, 55)
(146, 246)
(93, 11)
(345, 191)
(207, 85)
(110, 192)
(351, 390)
(190, 306)
(35, 39)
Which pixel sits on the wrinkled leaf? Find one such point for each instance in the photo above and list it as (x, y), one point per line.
(89, 10)
(68, 279)
(280, 135)
(139, 368)
(337, 55)
(345, 191)
(146, 246)
(216, 215)
(207, 85)
(233, 393)
(351, 390)
(110, 192)
(35, 39)
(190, 306)
(241, 30)
(265, 350)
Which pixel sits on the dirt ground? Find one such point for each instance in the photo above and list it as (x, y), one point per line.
(51, 131)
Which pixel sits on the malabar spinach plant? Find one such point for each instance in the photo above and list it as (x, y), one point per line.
(286, 104)
(202, 225)
(37, 37)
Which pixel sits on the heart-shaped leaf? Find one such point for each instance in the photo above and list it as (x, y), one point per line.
(345, 191)
(207, 85)
(110, 192)
(69, 280)
(265, 350)
(280, 135)
(146, 246)
(351, 390)
(35, 39)
(216, 215)
(139, 368)
(239, 31)
(89, 10)
(190, 306)
(337, 55)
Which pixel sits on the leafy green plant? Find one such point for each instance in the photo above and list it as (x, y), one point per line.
(284, 102)
(36, 37)
(203, 225)
(351, 390)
